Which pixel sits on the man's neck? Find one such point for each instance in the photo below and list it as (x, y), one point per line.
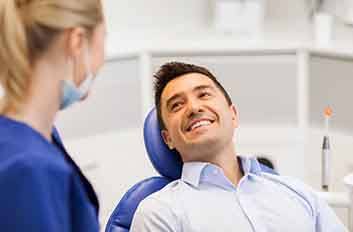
(231, 168)
(227, 160)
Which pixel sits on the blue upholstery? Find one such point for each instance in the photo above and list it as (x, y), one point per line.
(121, 218)
(166, 162)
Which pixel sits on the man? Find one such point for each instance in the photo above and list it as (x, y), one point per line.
(219, 191)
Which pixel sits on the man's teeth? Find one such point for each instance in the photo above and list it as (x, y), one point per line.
(201, 123)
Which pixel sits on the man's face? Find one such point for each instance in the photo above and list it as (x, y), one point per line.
(197, 117)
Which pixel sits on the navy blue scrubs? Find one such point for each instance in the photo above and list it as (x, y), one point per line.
(41, 187)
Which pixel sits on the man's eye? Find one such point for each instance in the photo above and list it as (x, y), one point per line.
(176, 106)
(204, 94)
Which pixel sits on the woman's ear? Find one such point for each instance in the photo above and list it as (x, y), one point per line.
(76, 40)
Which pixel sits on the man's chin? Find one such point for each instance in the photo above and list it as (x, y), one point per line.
(202, 141)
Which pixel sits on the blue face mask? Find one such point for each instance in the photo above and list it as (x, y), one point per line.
(71, 93)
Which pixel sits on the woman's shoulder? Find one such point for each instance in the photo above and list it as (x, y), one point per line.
(34, 165)
(23, 149)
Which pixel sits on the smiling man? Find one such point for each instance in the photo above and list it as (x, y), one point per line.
(218, 190)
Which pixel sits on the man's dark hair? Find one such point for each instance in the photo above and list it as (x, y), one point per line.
(172, 70)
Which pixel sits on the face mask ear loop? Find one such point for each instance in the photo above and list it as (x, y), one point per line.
(87, 63)
(71, 70)
(88, 60)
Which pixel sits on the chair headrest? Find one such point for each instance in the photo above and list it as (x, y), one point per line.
(167, 162)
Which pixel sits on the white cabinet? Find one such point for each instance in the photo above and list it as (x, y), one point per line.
(331, 82)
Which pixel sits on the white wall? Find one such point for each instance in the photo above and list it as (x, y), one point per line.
(156, 14)
(138, 24)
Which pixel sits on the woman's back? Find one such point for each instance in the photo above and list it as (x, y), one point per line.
(40, 189)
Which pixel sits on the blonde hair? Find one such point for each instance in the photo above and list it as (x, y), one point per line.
(27, 28)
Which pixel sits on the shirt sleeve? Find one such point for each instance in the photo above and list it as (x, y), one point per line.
(326, 219)
(153, 215)
(34, 197)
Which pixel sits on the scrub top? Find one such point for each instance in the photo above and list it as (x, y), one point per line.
(41, 187)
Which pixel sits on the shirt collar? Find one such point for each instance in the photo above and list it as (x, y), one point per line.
(250, 165)
(193, 172)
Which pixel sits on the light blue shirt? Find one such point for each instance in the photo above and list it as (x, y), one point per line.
(204, 200)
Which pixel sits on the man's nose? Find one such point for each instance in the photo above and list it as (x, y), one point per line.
(194, 107)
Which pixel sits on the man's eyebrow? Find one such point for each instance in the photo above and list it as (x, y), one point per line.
(202, 87)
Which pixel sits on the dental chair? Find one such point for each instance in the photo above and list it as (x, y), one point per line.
(165, 161)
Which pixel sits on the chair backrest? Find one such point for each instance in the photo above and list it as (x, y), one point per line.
(121, 218)
(166, 162)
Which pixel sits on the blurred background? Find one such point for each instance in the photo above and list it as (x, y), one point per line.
(282, 62)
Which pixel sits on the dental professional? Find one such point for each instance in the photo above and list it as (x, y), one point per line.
(50, 51)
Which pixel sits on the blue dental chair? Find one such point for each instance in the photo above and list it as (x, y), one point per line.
(165, 161)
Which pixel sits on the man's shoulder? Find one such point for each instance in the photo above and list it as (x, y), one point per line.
(290, 182)
(158, 211)
(296, 186)
(167, 197)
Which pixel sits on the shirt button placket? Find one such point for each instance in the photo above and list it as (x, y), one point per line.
(243, 205)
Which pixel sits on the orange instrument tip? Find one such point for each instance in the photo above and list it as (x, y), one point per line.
(328, 112)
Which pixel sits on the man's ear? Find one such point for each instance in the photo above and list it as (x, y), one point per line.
(234, 116)
(167, 139)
